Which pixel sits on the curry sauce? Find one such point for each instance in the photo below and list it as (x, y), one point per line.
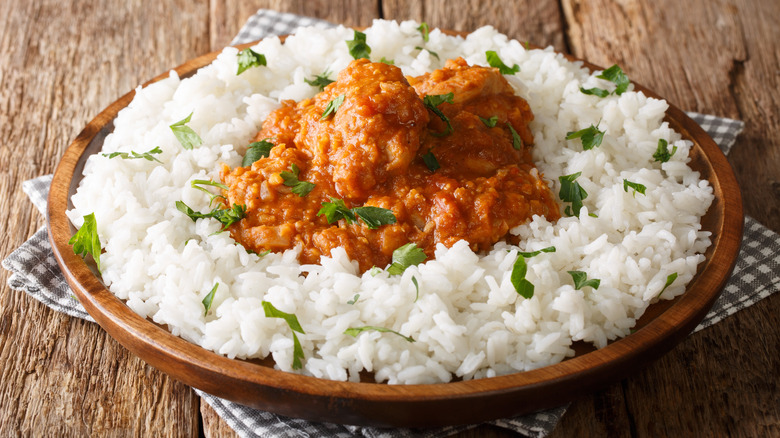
(370, 152)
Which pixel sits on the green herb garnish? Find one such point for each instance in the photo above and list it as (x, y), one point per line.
(615, 75)
(423, 28)
(255, 151)
(387, 61)
(536, 253)
(354, 299)
(405, 256)
(321, 80)
(295, 326)
(226, 216)
(373, 217)
(432, 102)
(669, 280)
(431, 162)
(496, 62)
(208, 299)
(434, 54)
(132, 155)
(86, 240)
(591, 136)
(416, 288)
(662, 153)
(358, 47)
(491, 122)
(636, 186)
(581, 280)
(522, 286)
(300, 188)
(357, 330)
(333, 106)
(571, 191)
(517, 142)
(600, 92)
(186, 136)
(197, 183)
(248, 58)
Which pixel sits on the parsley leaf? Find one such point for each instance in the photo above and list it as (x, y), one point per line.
(357, 330)
(354, 299)
(226, 217)
(333, 106)
(358, 47)
(416, 288)
(405, 256)
(591, 137)
(522, 286)
(536, 253)
(431, 162)
(295, 326)
(186, 136)
(662, 153)
(517, 142)
(255, 151)
(636, 186)
(374, 217)
(197, 183)
(320, 81)
(86, 240)
(135, 155)
(434, 54)
(248, 58)
(600, 92)
(335, 210)
(491, 122)
(423, 28)
(496, 62)
(300, 188)
(581, 280)
(432, 102)
(571, 191)
(208, 299)
(615, 75)
(669, 280)
(387, 61)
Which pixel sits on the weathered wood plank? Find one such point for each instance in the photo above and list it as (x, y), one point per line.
(62, 376)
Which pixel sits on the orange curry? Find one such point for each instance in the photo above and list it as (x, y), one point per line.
(370, 152)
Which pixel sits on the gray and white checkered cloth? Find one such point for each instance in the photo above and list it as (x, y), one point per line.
(35, 271)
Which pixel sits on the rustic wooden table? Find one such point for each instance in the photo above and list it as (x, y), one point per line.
(60, 64)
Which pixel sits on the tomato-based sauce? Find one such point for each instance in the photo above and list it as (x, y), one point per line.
(370, 152)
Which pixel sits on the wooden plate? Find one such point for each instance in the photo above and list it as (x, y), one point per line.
(260, 386)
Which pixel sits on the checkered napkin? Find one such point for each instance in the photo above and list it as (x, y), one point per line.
(35, 271)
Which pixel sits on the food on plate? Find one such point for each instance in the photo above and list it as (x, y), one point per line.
(497, 205)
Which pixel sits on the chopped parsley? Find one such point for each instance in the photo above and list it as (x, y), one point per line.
(517, 142)
(132, 155)
(405, 256)
(248, 58)
(197, 183)
(333, 106)
(613, 74)
(86, 240)
(387, 61)
(662, 153)
(591, 137)
(432, 102)
(581, 280)
(522, 286)
(434, 54)
(358, 47)
(424, 31)
(226, 216)
(357, 330)
(208, 299)
(491, 122)
(354, 299)
(669, 280)
(373, 217)
(571, 191)
(536, 253)
(496, 62)
(186, 136)
(295, 326)
(320, 81)
(300, 188)
(416, 288)
(636, 186)
(255, 151)
(431, 162)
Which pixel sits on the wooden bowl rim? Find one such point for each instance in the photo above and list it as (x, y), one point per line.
(325, 400)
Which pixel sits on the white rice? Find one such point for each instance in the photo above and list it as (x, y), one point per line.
(469, 321)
